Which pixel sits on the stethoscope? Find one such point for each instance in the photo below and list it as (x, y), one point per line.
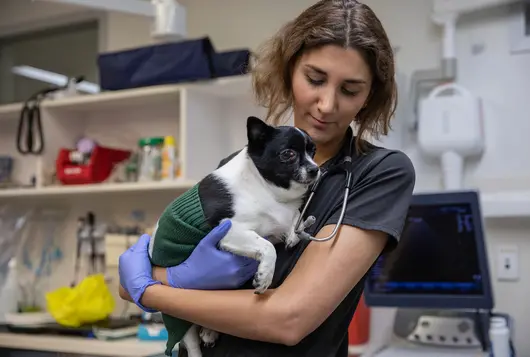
(30, 120)
(347, 166)
(30, 117)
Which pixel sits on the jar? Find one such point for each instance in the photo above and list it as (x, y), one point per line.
(150, 157)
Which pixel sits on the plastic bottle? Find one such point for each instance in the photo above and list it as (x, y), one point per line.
(499, 335)
(9, 292)
(169, 160)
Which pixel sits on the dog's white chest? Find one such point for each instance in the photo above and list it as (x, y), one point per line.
(262, 212)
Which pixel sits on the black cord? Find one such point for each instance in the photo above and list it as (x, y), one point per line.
(30, 121)
(31, 113)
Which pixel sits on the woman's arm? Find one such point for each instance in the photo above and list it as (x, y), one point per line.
(321, 279)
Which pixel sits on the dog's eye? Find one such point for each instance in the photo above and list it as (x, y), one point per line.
(287, 155)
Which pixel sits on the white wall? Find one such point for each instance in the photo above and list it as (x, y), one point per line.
(485, 66)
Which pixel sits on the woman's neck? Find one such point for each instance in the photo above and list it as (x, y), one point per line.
(327, 151)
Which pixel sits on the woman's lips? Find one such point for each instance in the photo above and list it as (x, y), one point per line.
(319, 123)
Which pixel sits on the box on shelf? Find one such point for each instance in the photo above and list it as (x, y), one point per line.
(96, 170)
(169, 63)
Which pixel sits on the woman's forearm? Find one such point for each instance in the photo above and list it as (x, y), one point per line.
(239, 313)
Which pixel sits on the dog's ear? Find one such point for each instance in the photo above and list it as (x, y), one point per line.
(258, 132)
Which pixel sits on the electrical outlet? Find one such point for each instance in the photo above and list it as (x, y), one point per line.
(507, 263)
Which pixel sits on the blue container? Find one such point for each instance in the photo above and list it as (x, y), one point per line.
(231, 63)
(167, 63)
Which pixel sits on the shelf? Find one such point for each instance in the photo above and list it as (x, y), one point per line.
(149, 96)
(130, 347)
(177, 185)
(138, 97)
(10, 111)
(226, 87)
(507, 204)
(356, 350)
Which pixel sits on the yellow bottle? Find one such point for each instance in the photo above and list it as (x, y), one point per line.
(169, 159)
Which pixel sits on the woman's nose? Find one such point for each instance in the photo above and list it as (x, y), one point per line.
(327, 102)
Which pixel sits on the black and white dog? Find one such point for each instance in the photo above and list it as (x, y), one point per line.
(261, 190)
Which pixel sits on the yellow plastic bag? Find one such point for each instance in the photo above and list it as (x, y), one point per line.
(88, 302)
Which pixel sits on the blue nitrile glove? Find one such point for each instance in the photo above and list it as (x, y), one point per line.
(209, 268)
(135, 270)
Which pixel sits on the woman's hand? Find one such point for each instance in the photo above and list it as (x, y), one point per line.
(208, 268)
(135, 270)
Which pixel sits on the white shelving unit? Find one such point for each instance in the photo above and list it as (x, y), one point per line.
(76, 345)
(10, 111)
(507, 204)
(208, 121)
(92, 189)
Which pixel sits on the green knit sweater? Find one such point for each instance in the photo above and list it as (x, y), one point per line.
(180, 228)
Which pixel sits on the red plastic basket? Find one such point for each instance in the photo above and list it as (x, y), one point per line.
(98, 168)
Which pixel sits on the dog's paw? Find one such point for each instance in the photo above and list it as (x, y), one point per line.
(291, 240)
(208, 336)
(262, 281)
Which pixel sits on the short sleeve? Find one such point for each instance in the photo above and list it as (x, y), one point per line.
(380, 199)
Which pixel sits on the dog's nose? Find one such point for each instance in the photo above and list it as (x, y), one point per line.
(312, 171)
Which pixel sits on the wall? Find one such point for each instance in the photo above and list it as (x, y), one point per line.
(485, 67)
(16, 14)
(55, 49)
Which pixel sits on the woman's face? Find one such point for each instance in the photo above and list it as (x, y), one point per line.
(330, 86)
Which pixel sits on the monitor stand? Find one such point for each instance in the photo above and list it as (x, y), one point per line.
(438, 333)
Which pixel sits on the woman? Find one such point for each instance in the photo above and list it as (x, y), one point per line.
(333, 66)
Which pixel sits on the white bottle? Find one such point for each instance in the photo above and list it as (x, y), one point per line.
(499, 337)
(9, 292)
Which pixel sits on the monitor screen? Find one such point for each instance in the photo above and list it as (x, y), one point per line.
(440, 260)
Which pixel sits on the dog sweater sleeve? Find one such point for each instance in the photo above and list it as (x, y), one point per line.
(180, 228)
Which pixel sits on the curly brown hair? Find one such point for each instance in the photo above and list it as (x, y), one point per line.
(346, 23)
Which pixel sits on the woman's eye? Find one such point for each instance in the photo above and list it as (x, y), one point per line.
(315, 82)
(287, 155)
(349, 93)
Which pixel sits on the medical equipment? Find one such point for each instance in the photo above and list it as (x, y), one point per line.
(347, 167)
(65, 86)
(438, 277)
(30, 121)
(90, 247)
(30, 137)
(40, 254)
(445, 13)
(450, 128)
(441, 261)
(9, 292)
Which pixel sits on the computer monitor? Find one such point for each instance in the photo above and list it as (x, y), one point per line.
(440, 261)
